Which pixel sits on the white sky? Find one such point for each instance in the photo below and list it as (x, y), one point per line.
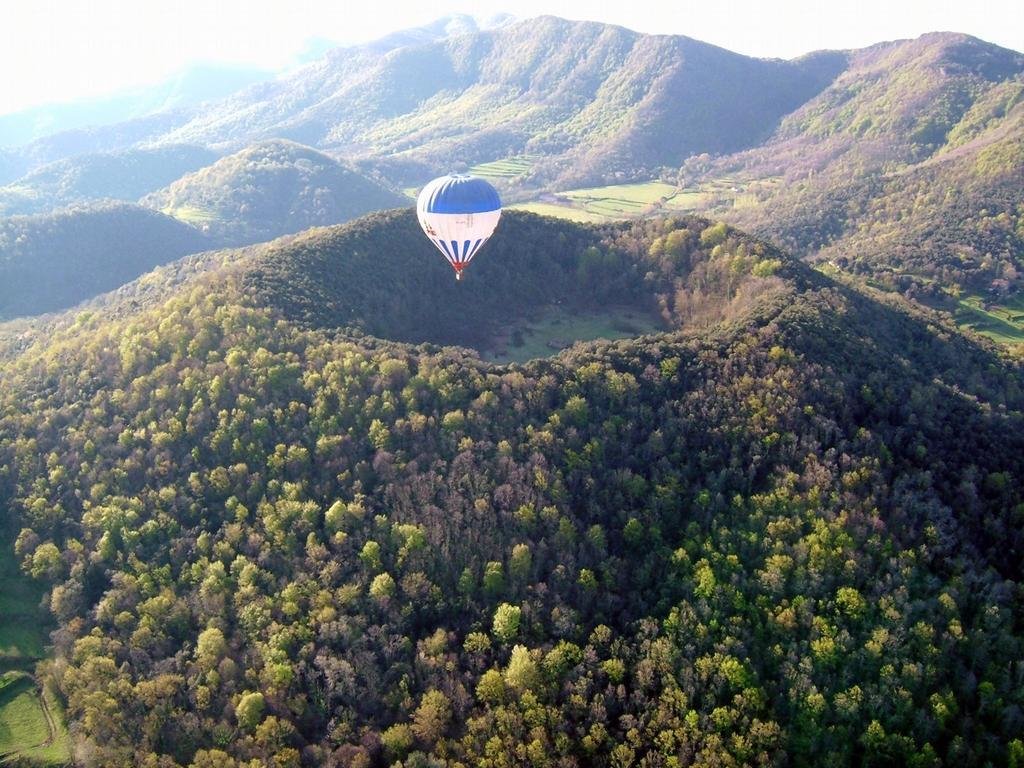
(64, 49)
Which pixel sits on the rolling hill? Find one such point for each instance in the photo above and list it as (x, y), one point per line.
(52, 261)
(906, 168)
(270, 189)
(126, 175)
(788, 530)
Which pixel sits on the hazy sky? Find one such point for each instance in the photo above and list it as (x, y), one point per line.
(64, 49)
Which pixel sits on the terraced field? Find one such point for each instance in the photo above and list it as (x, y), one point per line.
(504, 169)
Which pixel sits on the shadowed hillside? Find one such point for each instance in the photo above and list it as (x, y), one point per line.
(52, 261)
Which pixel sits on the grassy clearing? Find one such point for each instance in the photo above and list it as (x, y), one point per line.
(1001, 321)
(560, 212)
(652, 198)
(57, 752)
(32, 726)
(555, 328)
(22, 720)
(22, 628)
(508, 168)
(191, 214)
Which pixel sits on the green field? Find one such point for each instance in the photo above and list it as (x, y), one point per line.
(555, 328)
(508, 168)
(1001, 321)
(31, 721)
(31, 724)
(560, 212)
(191, 214)
(625, 201)
(22, 630)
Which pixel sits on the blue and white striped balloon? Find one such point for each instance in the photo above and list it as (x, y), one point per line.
(458, 213)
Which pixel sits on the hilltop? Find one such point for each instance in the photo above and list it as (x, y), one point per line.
(271, 189)
(787, 529)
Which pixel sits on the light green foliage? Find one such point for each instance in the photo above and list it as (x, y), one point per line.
(491, 688)
(210, 648)
(522, 673)
(382, 586)
(397, 740)
(506, 622)
(850, 602)
(249, 710)
(370, 555)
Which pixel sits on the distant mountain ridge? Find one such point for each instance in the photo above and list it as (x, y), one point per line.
(544, 86)
(125, 175)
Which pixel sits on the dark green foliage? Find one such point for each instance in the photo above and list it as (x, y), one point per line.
(793, 538)
(52, 261)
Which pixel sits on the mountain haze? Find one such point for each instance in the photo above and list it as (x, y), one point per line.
(125, 175)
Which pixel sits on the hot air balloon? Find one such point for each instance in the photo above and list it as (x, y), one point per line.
(458, 213)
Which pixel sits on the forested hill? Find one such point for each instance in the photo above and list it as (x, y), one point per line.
(270, 189)
(788, 531)
(52, 261)
(906, 168)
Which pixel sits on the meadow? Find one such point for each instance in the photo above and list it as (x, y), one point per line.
(32, 723)
(1001, 321)
(556, 328)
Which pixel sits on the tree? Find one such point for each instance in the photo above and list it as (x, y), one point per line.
(432, 716)
(210, 648)
(491, 688)
(506, 622)
(249, 711)
(383, 586)
(522, 673)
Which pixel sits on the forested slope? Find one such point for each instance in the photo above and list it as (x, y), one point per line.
(52, 261)
(788, 532)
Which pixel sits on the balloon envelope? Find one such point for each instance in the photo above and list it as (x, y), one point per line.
(458, 213)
